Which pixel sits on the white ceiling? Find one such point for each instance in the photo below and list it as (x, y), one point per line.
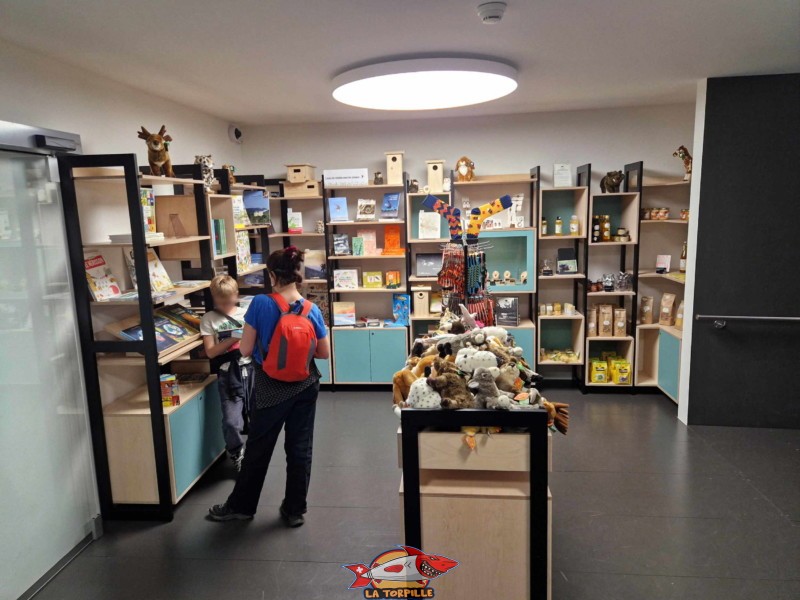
(272, 61)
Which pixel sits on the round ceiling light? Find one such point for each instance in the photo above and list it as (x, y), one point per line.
(425, 84)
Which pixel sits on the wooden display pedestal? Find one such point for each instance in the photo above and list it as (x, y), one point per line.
(488, 508)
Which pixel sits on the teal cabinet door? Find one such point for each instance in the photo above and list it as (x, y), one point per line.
(186, 440)
(525, 339)
(669, 364)
(351, 355)
(324, 367)
(213, 442)
(389, 353)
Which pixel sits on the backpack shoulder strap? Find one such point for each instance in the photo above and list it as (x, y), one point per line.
(283, 306)
(306, 310)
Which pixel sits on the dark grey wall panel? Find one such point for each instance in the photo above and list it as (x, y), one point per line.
(748, 255)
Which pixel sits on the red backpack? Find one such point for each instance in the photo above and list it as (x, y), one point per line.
(293, 343)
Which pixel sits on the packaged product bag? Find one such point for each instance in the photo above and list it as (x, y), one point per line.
(646, 310)
(591, 322)
(621, 372)
(679, 316)
(667, 314)
(605, 320)
(599, 371)
(620, 322)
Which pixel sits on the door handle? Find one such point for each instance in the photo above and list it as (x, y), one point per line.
(724, 318)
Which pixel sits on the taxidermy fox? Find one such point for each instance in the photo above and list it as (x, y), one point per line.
(157, 153)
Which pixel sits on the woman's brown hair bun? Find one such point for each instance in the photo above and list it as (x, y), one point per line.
(287, 265)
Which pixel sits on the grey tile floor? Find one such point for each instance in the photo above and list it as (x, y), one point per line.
(644, 508)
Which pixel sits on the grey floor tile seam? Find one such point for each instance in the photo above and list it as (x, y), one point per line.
(562, 572)
(206, 559)
(741, 474)
(642, 516)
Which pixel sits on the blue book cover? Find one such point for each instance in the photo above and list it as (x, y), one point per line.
(390, 206)
(337, 206)
(257, 206)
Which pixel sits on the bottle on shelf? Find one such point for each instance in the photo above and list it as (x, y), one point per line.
(596, 228)
(683, 258)
(605, 228)
(559, 228)
(574, 225)
(544, 227)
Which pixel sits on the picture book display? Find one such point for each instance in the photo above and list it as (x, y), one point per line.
(429, 225)
(507, 311)
(401, 311)
(391, 241)
(429, 265)
(392, 280)
(102, 283)
(341, 244)
(344, 313)
(240, 218)
(345, 279)
(243, 258)
(390, 206)
(256, 203)
(182, 316)
(170, 390)
(294, 221)
(370, 241)
(567, 261)
(148, 201)
(366, 210)
(318, 294)
(315, 264)
(358, 246)
(337, 209)
(159, 279)
(372, 279)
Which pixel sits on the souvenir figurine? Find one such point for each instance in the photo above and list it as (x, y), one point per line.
(158, 151)
(610, 183)
(683, 153)
(446, 184)
(320, 227)
(413, 187)
(378, 178)
(465, 169)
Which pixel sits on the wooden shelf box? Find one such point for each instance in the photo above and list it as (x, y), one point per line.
(559, 333)
(623, 208)
(564, 202)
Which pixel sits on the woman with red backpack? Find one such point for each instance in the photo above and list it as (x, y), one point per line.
(284, 333)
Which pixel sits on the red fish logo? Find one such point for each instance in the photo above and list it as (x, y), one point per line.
(407, 568)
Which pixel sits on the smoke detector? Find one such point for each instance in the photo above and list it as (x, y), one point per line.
(491, 12)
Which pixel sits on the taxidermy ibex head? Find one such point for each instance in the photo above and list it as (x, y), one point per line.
(157, 152)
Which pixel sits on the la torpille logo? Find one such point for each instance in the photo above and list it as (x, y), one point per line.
(402, 573)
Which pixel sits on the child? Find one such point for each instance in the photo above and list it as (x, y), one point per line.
(222, 329)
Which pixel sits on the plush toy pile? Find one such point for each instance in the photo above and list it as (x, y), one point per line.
(465, 366)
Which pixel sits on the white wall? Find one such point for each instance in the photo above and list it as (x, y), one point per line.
(37, 90)
(503, 144)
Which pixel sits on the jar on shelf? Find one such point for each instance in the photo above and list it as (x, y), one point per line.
(654, 214)
(663, 214)
(596, 228)
(605, 228)
(684, 214)
(645, 214)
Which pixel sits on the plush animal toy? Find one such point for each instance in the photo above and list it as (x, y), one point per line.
(559, 415)
(157, 151)
(509, 379)
(401, 385)
(610, 183)
(453, 390)
(424, 362)
(465, 169)
(231, 170)
(207, 169)
(422, 395)
(440, 367)
(469, 359)
(498, 333)
(485, 389)
(683, 153)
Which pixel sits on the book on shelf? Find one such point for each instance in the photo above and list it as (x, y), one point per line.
(318, 294)
(341, 244)
(370, 241)
(294, 221)
(189, 283)
(159, 278)
(430, 224)
(391, 241)
(134, 333)
(344, 313)
(148, 201)
(315, 264)
(191, 378)
(428, 264)
(170, 390)
(372, 279)
(567, 263)
(220, 236)
(256, 203)
(133, 296)
(172, 329)
(337, 209)
(435, 306)
(181, 315)
(366, 210)
(102, 283)
(392, 280)
(254, 279)
(401, 311)
(390, 206)
(507, 311)
(345, 279)
(358, 246)
(258, 258)
(240, 218)
(243, 259)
